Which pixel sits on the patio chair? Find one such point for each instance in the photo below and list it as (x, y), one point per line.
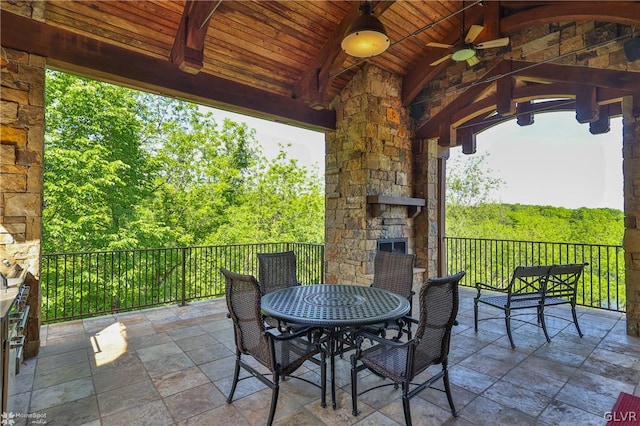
(561, 288)
(401, 362)
(394, 272)
(524, 291)
(276, 271)
(280, 354)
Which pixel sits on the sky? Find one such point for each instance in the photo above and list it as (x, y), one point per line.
(554, 162)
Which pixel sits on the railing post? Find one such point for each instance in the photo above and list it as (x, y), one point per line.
(184, 277)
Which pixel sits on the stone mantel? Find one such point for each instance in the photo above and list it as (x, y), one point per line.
(379, 203)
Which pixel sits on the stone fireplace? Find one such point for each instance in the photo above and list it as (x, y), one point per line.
(392, 245)
(369, 178)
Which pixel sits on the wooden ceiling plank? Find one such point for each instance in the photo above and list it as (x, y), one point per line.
(156, 46)
(311, 86)
(72, 52)
(188, 45)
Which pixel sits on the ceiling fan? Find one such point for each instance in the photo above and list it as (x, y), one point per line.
(465, 50)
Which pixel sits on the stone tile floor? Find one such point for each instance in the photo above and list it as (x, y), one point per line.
(173, 366)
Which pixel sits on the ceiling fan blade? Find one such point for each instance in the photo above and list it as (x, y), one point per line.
(440, 45)
(441, 60)
(499, 42)
(473, 60)
(473, 33)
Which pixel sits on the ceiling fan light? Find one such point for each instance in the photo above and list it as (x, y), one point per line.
(463, 54)
(366, 36)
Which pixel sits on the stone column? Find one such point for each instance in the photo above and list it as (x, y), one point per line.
(21, 152)
(631, 244)
(368, 154)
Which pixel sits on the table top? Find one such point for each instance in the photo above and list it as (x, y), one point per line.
(334, 305)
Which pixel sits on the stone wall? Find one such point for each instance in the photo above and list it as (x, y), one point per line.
(631, 168)
(21, 152)
(368, 154)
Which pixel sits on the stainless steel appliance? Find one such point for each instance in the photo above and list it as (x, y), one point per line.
(13, 317)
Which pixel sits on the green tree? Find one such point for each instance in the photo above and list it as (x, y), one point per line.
(95, 170)
(468, 184)
(285, 202)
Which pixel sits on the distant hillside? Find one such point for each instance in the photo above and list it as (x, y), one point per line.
(536, 223)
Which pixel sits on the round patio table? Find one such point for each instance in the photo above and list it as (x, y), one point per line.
(336, 308)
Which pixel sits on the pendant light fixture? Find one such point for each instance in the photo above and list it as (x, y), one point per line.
(366, 36)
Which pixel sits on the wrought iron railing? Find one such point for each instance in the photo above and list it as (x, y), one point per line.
(79, 285)
(602, 284)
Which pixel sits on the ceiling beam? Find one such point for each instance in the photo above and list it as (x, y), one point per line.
(613, 79)
(92, 58)
(620, 12)
(313, 83)
(188, 46)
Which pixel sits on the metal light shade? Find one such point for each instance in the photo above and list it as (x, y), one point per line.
(463, 54)
(366, 36)
(632, 49)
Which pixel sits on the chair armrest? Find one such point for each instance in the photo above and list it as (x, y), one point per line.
(288, 336)
(381, 340)
(485, 286)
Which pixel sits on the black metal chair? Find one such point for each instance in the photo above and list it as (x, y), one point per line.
(394, 272)
(561, 288)
(401, 362)
(280, 354)
(276, 271)
(525, 290)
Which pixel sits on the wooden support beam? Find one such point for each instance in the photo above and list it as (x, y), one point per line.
(81, 55)
(505, 104)
(188, 46)
(603, 124)
(467, 139)
(444, 134)
(587, 109)
(524, 116)
(491, 22)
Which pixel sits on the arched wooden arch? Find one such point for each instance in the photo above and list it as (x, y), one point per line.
(516, 89)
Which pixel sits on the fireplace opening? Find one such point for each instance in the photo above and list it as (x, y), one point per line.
(393, 245)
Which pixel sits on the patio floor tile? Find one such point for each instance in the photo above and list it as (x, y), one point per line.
(173, 366)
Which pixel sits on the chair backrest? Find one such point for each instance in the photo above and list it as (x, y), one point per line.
(394, 272)
(243, 301)
(438, 310)
(563, 280)
(528, 280)
(276, 271)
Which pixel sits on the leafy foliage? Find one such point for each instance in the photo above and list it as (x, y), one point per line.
(127, 170)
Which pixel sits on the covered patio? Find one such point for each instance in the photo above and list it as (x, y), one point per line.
(173, 365)
(389, 123)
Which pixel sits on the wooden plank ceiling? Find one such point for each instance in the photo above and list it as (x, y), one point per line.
(275, 59)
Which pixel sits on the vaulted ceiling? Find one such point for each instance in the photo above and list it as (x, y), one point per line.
(280, 60)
